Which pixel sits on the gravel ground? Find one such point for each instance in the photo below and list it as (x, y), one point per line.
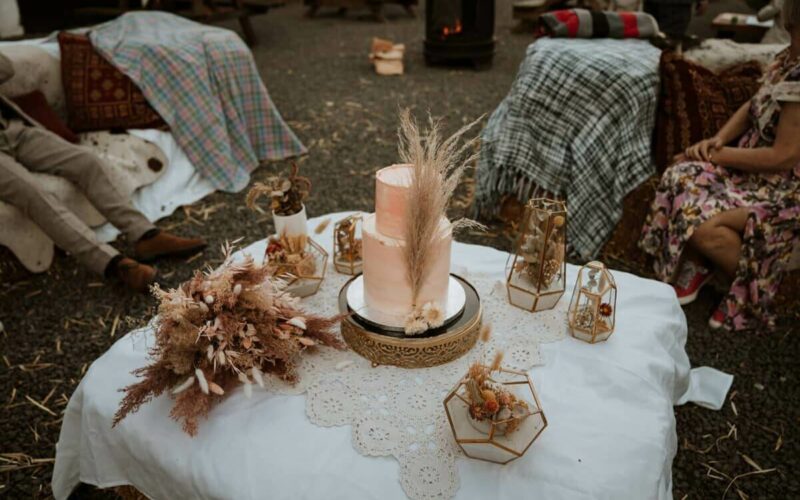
(58, 322)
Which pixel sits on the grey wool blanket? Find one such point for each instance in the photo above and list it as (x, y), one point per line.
(577, 123)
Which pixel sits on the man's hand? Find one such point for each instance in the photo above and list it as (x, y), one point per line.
(703, 150)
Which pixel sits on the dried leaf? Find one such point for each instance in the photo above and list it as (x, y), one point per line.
(185, 385)
(201, 379)
(215, 388)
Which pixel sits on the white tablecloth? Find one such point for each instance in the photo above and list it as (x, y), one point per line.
(611, 430)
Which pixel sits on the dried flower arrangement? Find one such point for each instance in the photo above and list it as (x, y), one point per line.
(222, 328)
(493, 411)
(288, 255)
(591, 315)
(349, 247)
(542, 255)
(585, 317)
(286, 194)
(437, 167)
(423, 318)
(491, 401)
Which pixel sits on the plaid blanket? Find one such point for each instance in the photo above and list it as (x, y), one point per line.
(204, 82)
(578, 123)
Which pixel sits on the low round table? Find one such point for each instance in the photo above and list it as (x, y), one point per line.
(611, 430)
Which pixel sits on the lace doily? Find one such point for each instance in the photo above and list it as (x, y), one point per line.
(399, 412)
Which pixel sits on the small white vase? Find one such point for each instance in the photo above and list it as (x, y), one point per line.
(291, 225)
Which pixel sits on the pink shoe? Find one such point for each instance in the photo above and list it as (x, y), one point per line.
(716, 320)
(690, 280)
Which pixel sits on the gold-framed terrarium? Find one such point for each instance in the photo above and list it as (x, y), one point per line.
(593, 307)
(495, 415)
(348, 254)
(536, 276)
(299, 261)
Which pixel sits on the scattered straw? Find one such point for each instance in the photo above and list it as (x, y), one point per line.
(322, 225)
(114, 326)
(40, 406)
(746, 474)
(194, 257)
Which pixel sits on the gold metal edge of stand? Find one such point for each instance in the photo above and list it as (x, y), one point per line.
(411, 352)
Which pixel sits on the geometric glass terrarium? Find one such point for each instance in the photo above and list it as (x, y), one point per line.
(536, 278)
(593, 308)
(504, 435)
(299, 261)
(347, 246)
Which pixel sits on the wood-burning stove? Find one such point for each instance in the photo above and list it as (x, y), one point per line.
(459, 31)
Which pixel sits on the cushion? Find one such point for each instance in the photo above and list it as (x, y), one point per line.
(99, 96)
(583, 23)
(10, 22)
(696, 102)
(719, 54)
(35, 105)
(34, 69)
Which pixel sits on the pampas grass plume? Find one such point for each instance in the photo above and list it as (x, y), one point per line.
(497, 361)
(437, 167)
(486, 333)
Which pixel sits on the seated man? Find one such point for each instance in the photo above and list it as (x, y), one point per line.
(25, 147)
(674, 16)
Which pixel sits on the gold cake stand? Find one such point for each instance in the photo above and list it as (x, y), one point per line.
(436, 347)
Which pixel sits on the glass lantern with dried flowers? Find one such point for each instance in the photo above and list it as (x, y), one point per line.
(592, 310)
(286, 196)
(537, 273)
(299, 261)
(494, 412)
(347, 245)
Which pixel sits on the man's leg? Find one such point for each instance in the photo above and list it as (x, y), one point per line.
(673, 18)
(43, 151)
(19, 188)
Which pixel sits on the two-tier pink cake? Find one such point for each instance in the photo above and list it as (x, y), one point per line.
(386, 284)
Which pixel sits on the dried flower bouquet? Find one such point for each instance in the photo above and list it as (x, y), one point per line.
(223, 328)
(286, 193)
(490, 401)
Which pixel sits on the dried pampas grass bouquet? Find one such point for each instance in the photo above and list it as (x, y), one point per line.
(437, 165)
(225, 327)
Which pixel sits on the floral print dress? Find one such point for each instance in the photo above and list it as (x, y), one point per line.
(692, 192)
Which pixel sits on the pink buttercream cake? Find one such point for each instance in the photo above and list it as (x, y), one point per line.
(386, 286)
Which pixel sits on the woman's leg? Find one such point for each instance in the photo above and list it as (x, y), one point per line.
(720, 239)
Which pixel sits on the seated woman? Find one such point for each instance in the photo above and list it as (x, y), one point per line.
(738, 208)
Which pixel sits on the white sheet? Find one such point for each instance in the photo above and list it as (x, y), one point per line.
(611, 427)
(180, 185)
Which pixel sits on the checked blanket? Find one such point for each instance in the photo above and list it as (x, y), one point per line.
(204, 83)
(577, 123)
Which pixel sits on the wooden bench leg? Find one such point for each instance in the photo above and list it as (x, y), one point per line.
(377, 11)
(247, 29)
(312, 10)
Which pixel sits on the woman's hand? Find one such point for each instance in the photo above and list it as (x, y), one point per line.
(703, 150)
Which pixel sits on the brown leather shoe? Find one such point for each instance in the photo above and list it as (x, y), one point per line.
(164, 244)
(138, 277)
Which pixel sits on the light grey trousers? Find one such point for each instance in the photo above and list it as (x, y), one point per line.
(32, 149)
